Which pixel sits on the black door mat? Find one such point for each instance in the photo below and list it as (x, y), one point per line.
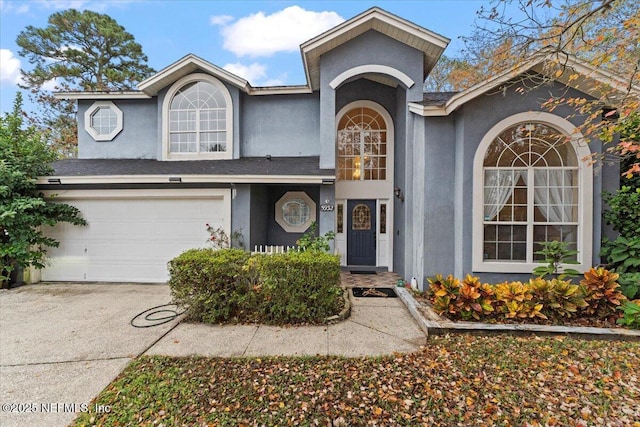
(374, 293)
(363, 272)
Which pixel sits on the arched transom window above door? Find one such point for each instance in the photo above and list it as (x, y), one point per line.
(362, 146)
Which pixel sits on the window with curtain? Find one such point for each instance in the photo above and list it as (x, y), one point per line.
(530, 192)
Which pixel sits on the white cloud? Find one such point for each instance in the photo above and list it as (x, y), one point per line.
(50, 85)
(263, 35)
(220, 19)
(9, 67)
(63, 4)
(275, 82)
(14, 7)
(252, 73)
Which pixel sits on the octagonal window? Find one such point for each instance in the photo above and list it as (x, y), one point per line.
(295, 211)
(103, 121)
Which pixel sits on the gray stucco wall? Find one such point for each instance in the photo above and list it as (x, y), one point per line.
(259, 214)
(280, 125)
(451, 144)
(370, 48)
(137, 140)
(241, 199)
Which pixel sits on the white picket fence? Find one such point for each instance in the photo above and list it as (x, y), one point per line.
(274, 249)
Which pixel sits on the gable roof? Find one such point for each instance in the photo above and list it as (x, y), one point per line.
(431, 44)
(566, 69)
(185, 66)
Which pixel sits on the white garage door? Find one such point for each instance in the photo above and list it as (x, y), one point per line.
(132, 234)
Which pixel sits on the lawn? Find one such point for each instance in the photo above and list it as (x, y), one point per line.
(454, 380)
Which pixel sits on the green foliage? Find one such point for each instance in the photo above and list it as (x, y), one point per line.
(211, 283)
(555, 255)
(88, 50)
(630, 285)
(624, 211)
(310, 242)
(631, 314)
(81, 50)
(623, 254)
(229, 285)
(298, 287)
(24, 156)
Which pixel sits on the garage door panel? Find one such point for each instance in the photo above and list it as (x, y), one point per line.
(132, 239)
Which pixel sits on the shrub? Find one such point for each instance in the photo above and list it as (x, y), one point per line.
(298, 287)
(602, 294)
(515, 300)
(474, 298)
(631, 314)
(558, 297)
(630, 285)
(555, 254)
(230, 285)
(443, 291)
(310, 242)
(624, 211)
(623, 254)
(212, 284)
(597, 295)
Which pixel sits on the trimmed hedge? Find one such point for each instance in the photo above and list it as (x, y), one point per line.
(229, 285)
(212, 283)
(298, 286)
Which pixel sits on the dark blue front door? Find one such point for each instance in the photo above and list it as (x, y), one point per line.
(361, 232)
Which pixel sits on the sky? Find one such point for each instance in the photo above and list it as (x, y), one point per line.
(257, 40)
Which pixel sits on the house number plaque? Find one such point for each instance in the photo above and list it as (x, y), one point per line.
(326, 207)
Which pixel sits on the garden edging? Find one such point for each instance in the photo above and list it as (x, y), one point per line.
(436, 325)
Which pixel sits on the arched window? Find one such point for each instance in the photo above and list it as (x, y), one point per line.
(362, 146)
(531, 190)
(198, 111)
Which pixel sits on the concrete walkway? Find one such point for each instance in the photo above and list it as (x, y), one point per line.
(377, 326)
(61, 344)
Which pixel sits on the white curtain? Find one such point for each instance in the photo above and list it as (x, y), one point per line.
(553, 190)
(498, 188)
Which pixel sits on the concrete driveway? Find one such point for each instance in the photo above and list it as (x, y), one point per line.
(61, 344)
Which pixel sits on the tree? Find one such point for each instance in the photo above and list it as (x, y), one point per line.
(24, 156)
(78, 51)
(452, 75)
(604, 33)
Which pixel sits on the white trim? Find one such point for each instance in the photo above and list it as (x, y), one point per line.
(378, 189)
(92, 110)
(182, 68)
(570, 66)
(196, 77)
(164, 179)
(381, 191)
(585, 183)
(184, 193)
(375, 69)
(428, 42)
(288, 196)
(101, 95)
